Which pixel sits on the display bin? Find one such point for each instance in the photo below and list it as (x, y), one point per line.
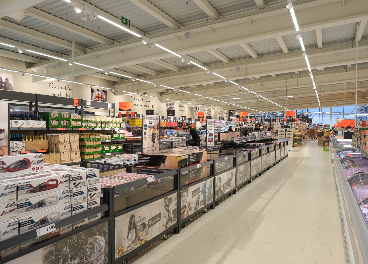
(256, 167)
(35, 246)
(278, 155)
(265, 161)
(224, 183)
(223, 163)
(242, 156)
(242, 171)
(136, 192)
(271, 147)
(194, 173)
(277, 145)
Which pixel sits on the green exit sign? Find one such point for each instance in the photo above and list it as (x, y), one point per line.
(125, 21)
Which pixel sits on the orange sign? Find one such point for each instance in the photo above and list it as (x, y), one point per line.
(82, 128)
(248, 120)
(200, 120)
(290, 113)
(127, 114)
(237, 120)
(76, 102)
(243, 114)
(241, 119)
(42, 150)
(125, 106)
(296, 119)
(200, 114)
(120, 114)
(61, 128)
(285, 120)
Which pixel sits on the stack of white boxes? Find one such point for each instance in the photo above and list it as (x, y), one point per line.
(34, 194)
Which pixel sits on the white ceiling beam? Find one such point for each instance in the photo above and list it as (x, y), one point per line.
(143, 69)
(359, 33)
(319, 38)
(249, 49)
(19, 56)
(260, 3)
(207, 8)
(166, 65)
(61, 23)
(105, 77)
(282, 44)
(228, 33)
(156, 13)
(219, 55)
(10, 7)
(23, 45)
(105, 14)
(38, 35)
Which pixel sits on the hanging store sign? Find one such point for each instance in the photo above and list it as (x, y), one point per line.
(290, 113)
(125, 106)
(98, 95)
(200, 114)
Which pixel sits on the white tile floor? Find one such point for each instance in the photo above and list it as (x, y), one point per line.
(288, 215)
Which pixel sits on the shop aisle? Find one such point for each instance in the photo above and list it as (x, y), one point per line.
(288, 215)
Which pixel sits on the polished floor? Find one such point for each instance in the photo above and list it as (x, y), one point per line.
(288, 215)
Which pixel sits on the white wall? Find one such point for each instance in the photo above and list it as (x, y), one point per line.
(26, 84)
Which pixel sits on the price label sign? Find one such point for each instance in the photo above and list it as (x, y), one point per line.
(45, 230)
(82, 128)
(151, 179)
(199, 165)
(108, 154)
(61, 128)
(76, 102)
(88, 103)
(108, 105)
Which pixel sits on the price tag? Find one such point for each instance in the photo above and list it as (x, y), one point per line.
(25, 152)
(151, 179)
(108, 154)
(226, 158)
(76, 102)
(108, 105)
(88, 103)
(199, 165)
(45, 230)
(61, 128)
(42, 150)
(82, 128)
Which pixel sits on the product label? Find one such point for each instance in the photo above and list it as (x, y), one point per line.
(45, 230)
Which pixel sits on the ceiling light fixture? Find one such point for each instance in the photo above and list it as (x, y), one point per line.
(77, 10)
(290, 7)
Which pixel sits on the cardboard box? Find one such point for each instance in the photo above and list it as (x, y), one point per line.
(55, 158)
(60, 147)
(79, 207)
(17, 146)
(93, 203)
(79, 195)
(9, 229)
(34, 186)
(56, 138)
(86, 157)
(8, 211)
(8, 191)
(40, 202)
(36, 145)
(21, 164)
(74, 138)
(78, 178)
(74, 146)
(43, 218)
(66, 138)
(65, 157)
(74, 154)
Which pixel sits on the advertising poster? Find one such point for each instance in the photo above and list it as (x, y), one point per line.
(224, 183)
(210, 133)
(98, 95)
(125, 106)
(89, 247)
(4, 133)
(150, 141)
(170, 106)
(141, 225)
(243, 173)
(6, 81)
(196, 197)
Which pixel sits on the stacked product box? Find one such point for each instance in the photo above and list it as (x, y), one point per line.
(90, 146)
(34, 194)
(67, 145)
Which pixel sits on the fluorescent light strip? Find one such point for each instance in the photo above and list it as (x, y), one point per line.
(198, 65)
(46, 55)
(87, 66)
(294, 18)
(8, 45)
(119, 26)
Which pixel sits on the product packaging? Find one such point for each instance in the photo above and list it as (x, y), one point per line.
(41, 202)
(78, 178)
(20, 164)
(9, 229)
(79, 195)
(79, 207)
(8, 211)
(43, 218)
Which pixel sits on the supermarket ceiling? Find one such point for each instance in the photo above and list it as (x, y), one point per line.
(250, 42)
